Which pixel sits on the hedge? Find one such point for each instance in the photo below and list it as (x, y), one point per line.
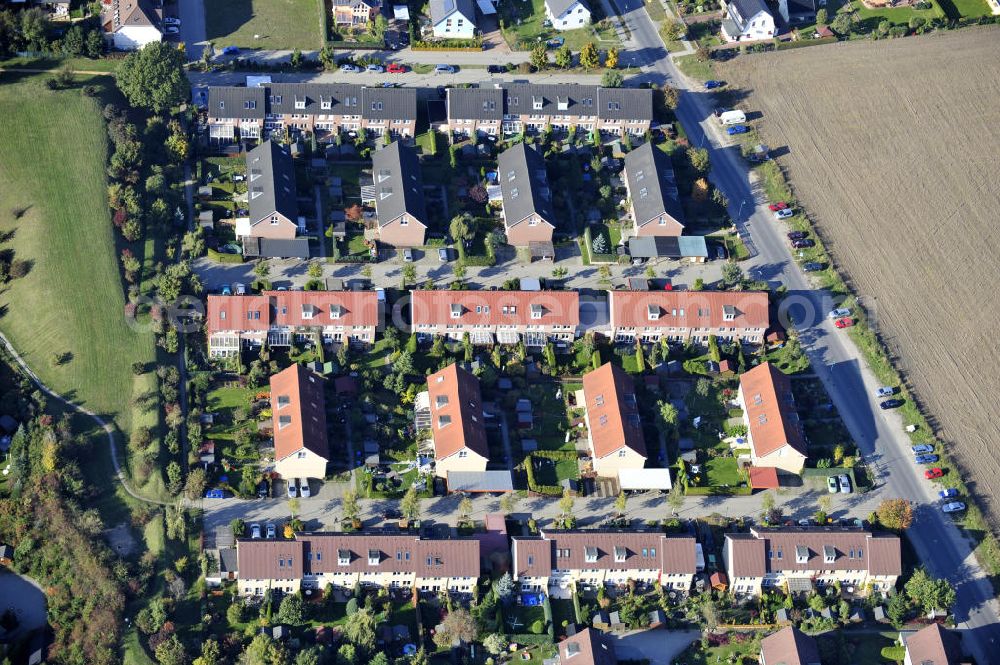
(576, 609)
(529, 638)
(547, 610)
(556, 454)
(709, 491)
(529, 467)
(449, 45)
(895, 653)
(357, 46)
(222, 257)
(801, 43)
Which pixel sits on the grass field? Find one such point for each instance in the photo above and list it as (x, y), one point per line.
(915, 137)
(52, 152)
(691, 66)
(278, 24)
(530, 30)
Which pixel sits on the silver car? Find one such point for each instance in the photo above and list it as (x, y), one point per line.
(255, 530)
(885, 391)
(271, 531)
(845, 484)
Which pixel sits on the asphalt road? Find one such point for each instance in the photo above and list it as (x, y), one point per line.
(940, 545)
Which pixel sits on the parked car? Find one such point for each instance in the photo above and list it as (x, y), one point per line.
(271, 531)
(170, 20)
(239, 289)
(720, 253)
(720, 110)
(784, 213)
(845, 322)
(444, 69)
(238, 177)
(922, 448)
(831, 484)
(495, 69)
(377, 69)
(555, 42)
(171, 30)
(226, 291)
(304, 488)
(891, 404)
(802, 244)
(391, 514)
(293, 491)
(775, 207)
(931, 474)
(408, 255)
(949, 493)
(263, 490)
(812, 266)
(215, 494)
(838, 313)
(797, 235)
(953, 507)
(845, 483)
(885, 391)
(443, 254)
(737, 129)
(255, 530)
(396, 68)
(349, 69)
(231, 50)
(925, 459)
(712, 84)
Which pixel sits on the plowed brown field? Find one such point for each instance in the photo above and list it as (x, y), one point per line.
(894, 149)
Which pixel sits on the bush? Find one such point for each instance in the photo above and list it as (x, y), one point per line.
(538, 627)
(222, 257)
(895, 653)
(352, 607)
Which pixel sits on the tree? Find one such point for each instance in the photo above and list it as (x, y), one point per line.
(459, 228)
(675, 499)
(236, 612)
(767, 502)
(566, 504)
(816, 602)
(349, 505)
(409, 505)
(732, 274)
(897, 610)
(315, 270)
(194, 488)
(699, 159)
(464, 509)
(668, 415)
(621, 502)
(895, 514)
(295, 60)
(589, 58)
(669, 97)
(599, 244)
(262, 651)
(327, 57)
(821, 16)
(171, 652)
(360, 630)
(672, 30)
(496, 643)
(154, 77)
(210, 653)
(539, 57)
(611, 59)
(929, 593)
(238, 527)
(457, 626)
(702, 54)
(713, 348)
(262, 269)
(292, 610)
(612, 78)
(313, 656)
(842, 24)
(505, 587)
(508, 501)
(347, 654)
(564, 57)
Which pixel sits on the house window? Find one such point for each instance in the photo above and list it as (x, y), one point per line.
(463, 453)
(274, 220)
(301, 454)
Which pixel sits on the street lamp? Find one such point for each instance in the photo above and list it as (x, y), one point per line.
(739, 213)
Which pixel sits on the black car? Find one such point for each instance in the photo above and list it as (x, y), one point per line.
(391, 514)
(263, 490)
(891, 404)
(812, 266)
(801, 244)
(495, 69)
(797, 235)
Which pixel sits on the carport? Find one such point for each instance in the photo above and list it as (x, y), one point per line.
(480, 481)
(693, 248)
(644, 479)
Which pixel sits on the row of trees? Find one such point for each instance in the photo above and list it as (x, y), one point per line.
(590, 57)
(29, 30)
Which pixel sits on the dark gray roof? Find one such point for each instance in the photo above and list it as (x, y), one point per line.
(390, 104)
(652, 184)
(746, 10)
(343, 98)
(801, 7)
(475, 103)
(275, 248)
(398, 186)
(480, 481)
(525, 184)
(271, 182)
(668, 247)
(236, 102)
(554, 99)
(626, 104)
(440, 9)
(559, 7)
(227, 560)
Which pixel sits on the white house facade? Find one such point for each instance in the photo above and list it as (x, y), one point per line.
(567, 14)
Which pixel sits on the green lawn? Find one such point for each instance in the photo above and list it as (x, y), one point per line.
(278, 24)
(530, 31)
(723, 471)
(691, 66)
(47, 62)
(53, 148)
(899, 15)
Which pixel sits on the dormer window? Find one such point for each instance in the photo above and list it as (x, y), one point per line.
(801, 554)
(336, 311)
(307, 311)
(599, 400)
(562, 103)
(572, 649)
(590, 554)
(536, 103)
(300, 103)
(374, 557)
(250, 104)
(456, 310)
(441, 401)
(619, 554)
(536, 311)
(284, 421)
(443, 421)
(343, 557)
(222, 105)
(326, 104)
(283, 401)
(653, 311)
(829, 554)
(728, 312)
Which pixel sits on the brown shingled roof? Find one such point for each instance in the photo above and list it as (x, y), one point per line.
(789, 646)
(612, 411)
(689, 309)
(269, 559)
(588, 647)
(772, 550)
(770, 410)
(571, 549)
(298, 413)
(456, 404)
(932, 645)
(495, 308)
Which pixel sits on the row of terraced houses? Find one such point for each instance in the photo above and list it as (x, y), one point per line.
(560, 563)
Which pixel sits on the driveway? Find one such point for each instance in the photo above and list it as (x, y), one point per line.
(659, 646)
(26, 599)
(193, 31)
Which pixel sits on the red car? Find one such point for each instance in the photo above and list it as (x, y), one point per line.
(933, 473)
(780, 205)
(845, 322)
(395, 68)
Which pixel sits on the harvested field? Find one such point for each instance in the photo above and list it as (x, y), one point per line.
(894, 149)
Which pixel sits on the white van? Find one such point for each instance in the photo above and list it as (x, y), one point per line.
(733, 118)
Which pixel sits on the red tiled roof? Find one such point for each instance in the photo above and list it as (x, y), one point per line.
(298, 413)
(456, 404)
(269, 559)
(789, 646)
(689, 309)
(291, 308)
(770, 410)
(538, 556)
(763, 477)
(612, 411)
(558, 308)
(932, 645)
(755, 554)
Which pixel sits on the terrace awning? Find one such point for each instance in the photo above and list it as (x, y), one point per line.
(644, 479)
